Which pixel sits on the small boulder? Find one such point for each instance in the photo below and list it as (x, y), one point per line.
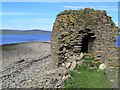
(63, 64)
(111, 80)
(102, 66)
(79, 63)
(81, 55)
(73, 65)
(68, 64)
(20, 61)
(67, 76)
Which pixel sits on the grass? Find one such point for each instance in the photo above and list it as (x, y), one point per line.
(84, 77)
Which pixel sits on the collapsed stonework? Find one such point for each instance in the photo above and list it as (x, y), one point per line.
(86, 30)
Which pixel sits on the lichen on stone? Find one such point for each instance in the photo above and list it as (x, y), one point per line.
(85, 30)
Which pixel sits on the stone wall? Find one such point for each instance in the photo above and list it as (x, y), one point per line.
(86, 30)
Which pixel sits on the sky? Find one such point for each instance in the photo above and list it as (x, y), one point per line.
(41, 15)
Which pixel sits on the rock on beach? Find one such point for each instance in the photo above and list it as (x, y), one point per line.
(29, 65)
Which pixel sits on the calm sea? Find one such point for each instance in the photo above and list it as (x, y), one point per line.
(18, 38)
(117, 41)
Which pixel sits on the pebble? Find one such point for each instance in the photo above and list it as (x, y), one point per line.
(23, 76)
(102, 66)
(73, 65)
(68, 64)
(111, 80)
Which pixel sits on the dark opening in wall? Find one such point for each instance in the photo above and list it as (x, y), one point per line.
(86, 40)
(84, 47)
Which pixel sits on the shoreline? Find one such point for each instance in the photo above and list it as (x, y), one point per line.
(25, 43)
(29, 64)
(13, 52)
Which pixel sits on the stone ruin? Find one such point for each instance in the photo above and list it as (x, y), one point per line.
(86, 30)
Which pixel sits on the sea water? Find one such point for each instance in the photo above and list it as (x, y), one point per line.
(117, 43)
(19, 38)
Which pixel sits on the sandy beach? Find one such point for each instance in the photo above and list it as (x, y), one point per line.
(29, 65)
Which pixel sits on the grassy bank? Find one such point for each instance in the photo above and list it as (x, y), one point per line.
(85, 77)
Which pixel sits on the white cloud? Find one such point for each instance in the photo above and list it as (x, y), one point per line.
(17, 13)
(22, 13)
(110, 8)
(74, 7)
(29, 23)
(31, 20)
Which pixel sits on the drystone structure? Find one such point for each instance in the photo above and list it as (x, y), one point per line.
(86, 30)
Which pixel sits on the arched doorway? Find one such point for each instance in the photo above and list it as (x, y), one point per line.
(86, 40)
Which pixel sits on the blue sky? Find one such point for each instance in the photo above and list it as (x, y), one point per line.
(41, 15)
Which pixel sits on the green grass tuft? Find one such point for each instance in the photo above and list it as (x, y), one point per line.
(84, 77)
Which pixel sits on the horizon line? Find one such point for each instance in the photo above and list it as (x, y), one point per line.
(24, 29)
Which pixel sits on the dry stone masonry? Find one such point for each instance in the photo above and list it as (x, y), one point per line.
(86, 30)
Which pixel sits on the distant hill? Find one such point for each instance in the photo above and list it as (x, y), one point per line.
(34, 31)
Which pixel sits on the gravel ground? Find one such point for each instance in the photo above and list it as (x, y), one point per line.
(29, 65)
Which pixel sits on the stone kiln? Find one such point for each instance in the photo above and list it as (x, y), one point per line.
(87, 30)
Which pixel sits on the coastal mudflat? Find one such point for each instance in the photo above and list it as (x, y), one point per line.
(29, 65)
